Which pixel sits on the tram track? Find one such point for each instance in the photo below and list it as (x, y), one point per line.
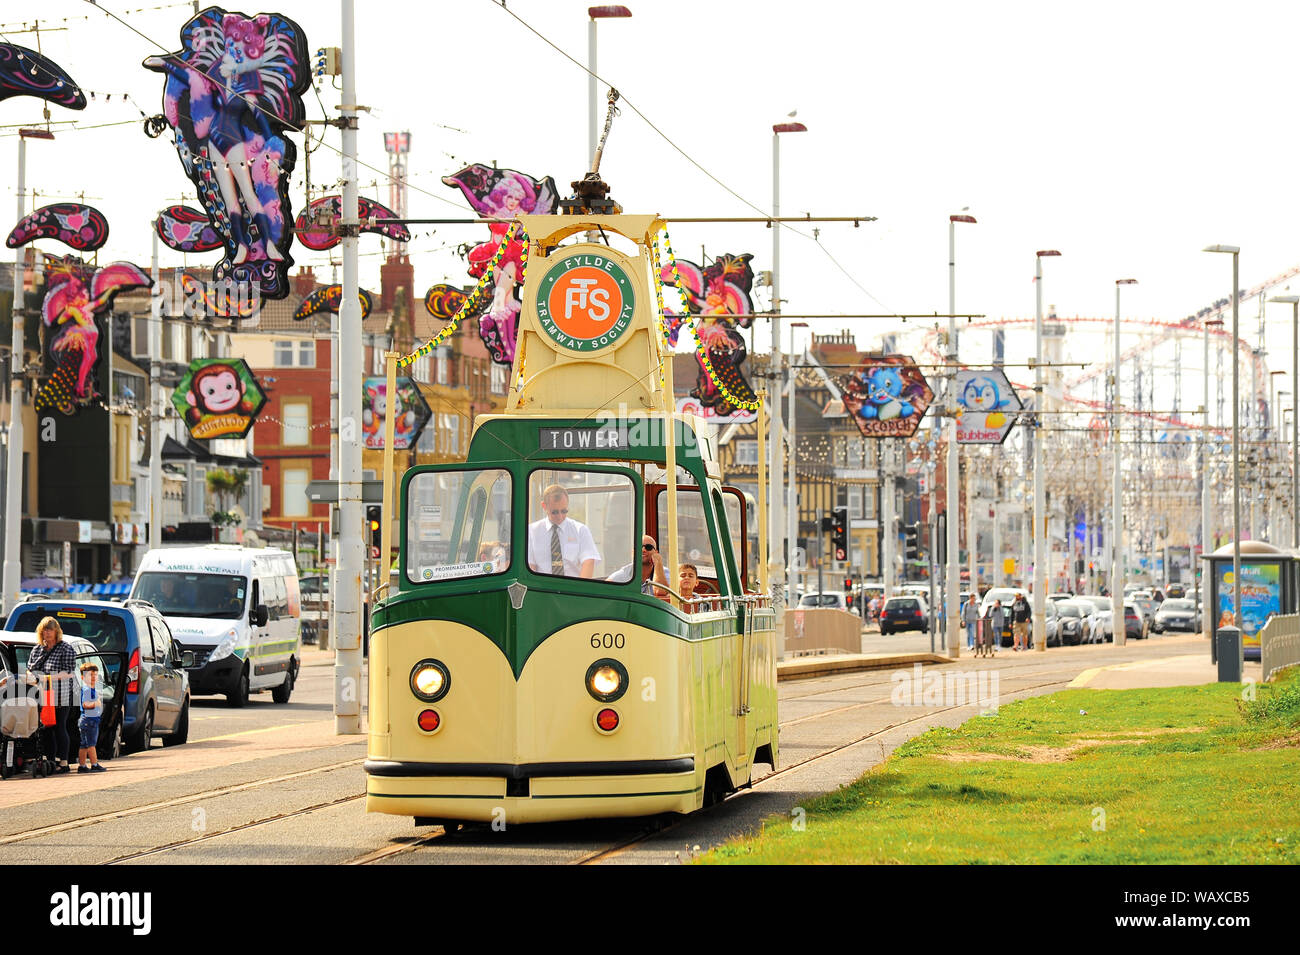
(214, 793)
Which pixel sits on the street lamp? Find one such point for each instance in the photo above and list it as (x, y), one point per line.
(776, 523)
(1119, 631)
(791, 487)
(1294, 301)
(1235, 252)
(609, 12)
(952, 506)
(11, 575)
(1040, 489)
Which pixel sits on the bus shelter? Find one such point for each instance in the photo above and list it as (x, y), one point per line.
(1270, 585)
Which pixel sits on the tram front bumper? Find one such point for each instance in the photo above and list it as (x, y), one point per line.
(540, 792)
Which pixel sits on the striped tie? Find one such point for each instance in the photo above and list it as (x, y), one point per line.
(557, 556)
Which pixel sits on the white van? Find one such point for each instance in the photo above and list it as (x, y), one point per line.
(237, 608)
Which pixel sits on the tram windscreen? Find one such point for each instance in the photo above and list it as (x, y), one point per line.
(457, 524)
(580, 524)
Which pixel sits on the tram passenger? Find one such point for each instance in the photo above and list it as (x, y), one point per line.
(557, 544)
(688, 580)
(496, 553)
(653, 580)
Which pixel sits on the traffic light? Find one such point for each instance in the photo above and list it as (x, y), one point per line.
(840, 533)
(373, 512)
(848, 585)
(911, 546)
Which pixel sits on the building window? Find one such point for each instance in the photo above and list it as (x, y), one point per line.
(869, 503)
(295, 354)
(451, 429)
(855, 503)
(747, 453)
(498, 379)
(296, 423)
(293, 492)
(377, 360)
(428, 440)
(420, 369)
(444, 371)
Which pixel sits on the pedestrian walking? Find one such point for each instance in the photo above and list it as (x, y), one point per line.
(970, 615)
(54, 662)
(873, 609)
(1020, 616)
(994, 622)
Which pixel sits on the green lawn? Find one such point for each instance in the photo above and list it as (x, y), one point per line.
(1183, 774)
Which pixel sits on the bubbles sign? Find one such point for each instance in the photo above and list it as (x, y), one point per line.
(987, 406)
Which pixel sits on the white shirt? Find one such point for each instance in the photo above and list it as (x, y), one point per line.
(576, 546)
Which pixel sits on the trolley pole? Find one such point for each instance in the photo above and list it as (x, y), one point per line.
(347, 642)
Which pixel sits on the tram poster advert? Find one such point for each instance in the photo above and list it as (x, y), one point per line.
(887, 396)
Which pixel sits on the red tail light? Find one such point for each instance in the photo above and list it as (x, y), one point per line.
(429, 720)
(607, 720)
(917, 613)
(133, 672)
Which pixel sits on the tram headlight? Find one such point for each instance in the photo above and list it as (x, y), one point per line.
(430, 680)
(606, 680)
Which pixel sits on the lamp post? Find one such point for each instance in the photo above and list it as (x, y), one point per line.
(791, 485)
(1040, 489)
(1267, 456)
(609, 12)
(1235, 252)
(1207, 532)
(11, 577)
(1120, 632)
(1294, 301)
(776, 523)
(952, 506)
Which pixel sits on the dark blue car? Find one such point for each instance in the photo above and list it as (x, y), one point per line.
(157, 692)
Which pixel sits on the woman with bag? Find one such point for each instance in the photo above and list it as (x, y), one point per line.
(52, 667)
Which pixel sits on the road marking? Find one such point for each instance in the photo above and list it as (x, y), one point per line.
(264, 729)
(1083, 678)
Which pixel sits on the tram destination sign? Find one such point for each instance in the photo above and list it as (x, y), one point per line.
(583, 439)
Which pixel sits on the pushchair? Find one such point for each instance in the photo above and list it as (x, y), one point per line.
(26, 742)
(984, 637)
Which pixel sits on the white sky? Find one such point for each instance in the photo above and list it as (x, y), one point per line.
(1128, 136)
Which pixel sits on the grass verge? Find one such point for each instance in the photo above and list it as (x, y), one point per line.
(1173, 775)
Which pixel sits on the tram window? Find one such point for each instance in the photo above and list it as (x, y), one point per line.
(457, 524)
(693, 543)
(593, 515)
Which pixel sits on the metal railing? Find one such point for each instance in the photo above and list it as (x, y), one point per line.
(1279, 643)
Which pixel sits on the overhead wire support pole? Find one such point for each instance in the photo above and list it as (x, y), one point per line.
(952, 505)
(12, 574)
(347, 665)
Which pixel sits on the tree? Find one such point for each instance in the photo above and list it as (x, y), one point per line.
(227, 487)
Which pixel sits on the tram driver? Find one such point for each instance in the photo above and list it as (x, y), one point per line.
(557, 544)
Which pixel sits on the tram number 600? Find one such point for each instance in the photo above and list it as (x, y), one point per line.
(610, 641)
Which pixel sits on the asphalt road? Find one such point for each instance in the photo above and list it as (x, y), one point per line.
(273, 784)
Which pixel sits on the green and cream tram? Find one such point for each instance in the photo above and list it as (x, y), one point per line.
(522, 667)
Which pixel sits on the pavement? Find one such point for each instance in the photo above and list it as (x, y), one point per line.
(1165, 671)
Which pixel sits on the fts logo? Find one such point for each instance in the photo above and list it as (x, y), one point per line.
(585, 302)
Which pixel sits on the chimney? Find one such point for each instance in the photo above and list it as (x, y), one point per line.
(304, 282)
(397, 272)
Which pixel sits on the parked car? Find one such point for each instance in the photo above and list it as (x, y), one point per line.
(836, 599)
(904, 613)
(1093, 604)
(1134, 624)
(315, 589)
(1176, 591)
(1070, 621)
(1005, 594)
(1177, 613)
(1147, 604)
(156, 698)
(1051, 623)
(16, 648)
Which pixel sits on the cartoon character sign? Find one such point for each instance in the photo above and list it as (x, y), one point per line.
(502, 194)
(78, 226)
(25, 72)
(218, 398)
(76, 296)
(719, 296)
(330, 209)
(410, 410)
(887, 397)
(987, 405)
(232, 89)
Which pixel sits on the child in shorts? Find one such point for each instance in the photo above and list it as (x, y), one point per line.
(88, 725)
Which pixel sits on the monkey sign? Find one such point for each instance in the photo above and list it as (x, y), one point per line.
(218, 398)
